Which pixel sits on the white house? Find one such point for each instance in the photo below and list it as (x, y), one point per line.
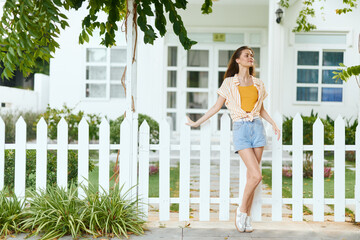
(295, 67)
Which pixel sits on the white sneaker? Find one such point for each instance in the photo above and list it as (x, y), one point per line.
(240, 220)
(248, 227)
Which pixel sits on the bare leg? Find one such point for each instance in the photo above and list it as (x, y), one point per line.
(258, 153)
(253, 177)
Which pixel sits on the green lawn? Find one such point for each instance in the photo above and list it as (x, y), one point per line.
(153, 181)
(308, 185)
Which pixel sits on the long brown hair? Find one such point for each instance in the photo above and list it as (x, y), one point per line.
(233, 66)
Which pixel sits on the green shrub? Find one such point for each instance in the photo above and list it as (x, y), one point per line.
(350, 130)
(308, 122)
(55, 212)
(115, 128)
(31, 167)
(113, 213)
(52, 117)
(10, 209)
(11, 117)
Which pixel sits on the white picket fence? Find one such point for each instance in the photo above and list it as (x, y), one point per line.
(141, 170)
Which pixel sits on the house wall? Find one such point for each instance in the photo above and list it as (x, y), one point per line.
(152, 58)
(18, 99)
(332, 23)
(67, 71)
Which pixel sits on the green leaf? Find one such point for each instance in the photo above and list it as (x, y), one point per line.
(177, 27)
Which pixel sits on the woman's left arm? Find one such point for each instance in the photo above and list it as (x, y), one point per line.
(264, 114)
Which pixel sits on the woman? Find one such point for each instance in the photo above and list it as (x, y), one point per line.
(243, 95)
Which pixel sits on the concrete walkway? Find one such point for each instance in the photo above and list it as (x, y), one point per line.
(263, 230)
(195, 230)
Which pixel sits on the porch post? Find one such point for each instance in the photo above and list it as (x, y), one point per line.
(131, 96)
(275, 59)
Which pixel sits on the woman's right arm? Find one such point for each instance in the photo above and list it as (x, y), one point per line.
(214, 109)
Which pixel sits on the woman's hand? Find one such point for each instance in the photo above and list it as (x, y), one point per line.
(191, 122)
(276, 131)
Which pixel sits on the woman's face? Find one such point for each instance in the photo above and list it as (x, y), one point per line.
(246, 58)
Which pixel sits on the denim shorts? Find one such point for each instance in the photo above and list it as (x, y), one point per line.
(247, 134)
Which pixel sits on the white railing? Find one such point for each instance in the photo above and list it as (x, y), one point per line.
(127, 170)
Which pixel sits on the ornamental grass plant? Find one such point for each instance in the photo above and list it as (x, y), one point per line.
(113, 214)
(10, 213)
(55, 212)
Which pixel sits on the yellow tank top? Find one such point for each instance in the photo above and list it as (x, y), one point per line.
(249, 96)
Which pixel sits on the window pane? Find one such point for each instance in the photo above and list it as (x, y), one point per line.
(96, 55)
(116, 73)
(173, 120)
(172, 56)
(95, 73)
(331, 94)
(220, 81)
(196, 79)
(95, 90)
(320, 38)
(257, 56)
(220, 78)
(197, 100)
(117, 91)
(171, 100)
(308, 58)
(255, 38)
(171, 79)
(332, 58)
(224, 57)
(307, 75)
(306, 94)
(198, 58)
(327, 76)
(118, 55)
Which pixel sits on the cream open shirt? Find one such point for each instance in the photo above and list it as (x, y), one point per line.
(229, 90)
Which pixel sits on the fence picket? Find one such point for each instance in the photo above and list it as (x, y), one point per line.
(83, 162)
(224, 168)
(62, 154)
(124, 163)
(205, 140)
(2, 153)
(357, 174)
(297, 168)
(164, 171)
(144, 134)
(339, 170)
(318, 170)
(20, 157)
(184, 193)
(104, 156)
(41, 155)
(277, 171)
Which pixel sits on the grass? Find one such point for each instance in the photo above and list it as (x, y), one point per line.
(329, 156)
(308, 185)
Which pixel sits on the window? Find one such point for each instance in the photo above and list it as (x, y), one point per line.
(104, 69)
(314, 73)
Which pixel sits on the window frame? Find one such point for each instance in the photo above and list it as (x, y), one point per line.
(108, 82)
(320, 68)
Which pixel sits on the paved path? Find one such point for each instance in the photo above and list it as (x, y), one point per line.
(263, 230)
(226, 231)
